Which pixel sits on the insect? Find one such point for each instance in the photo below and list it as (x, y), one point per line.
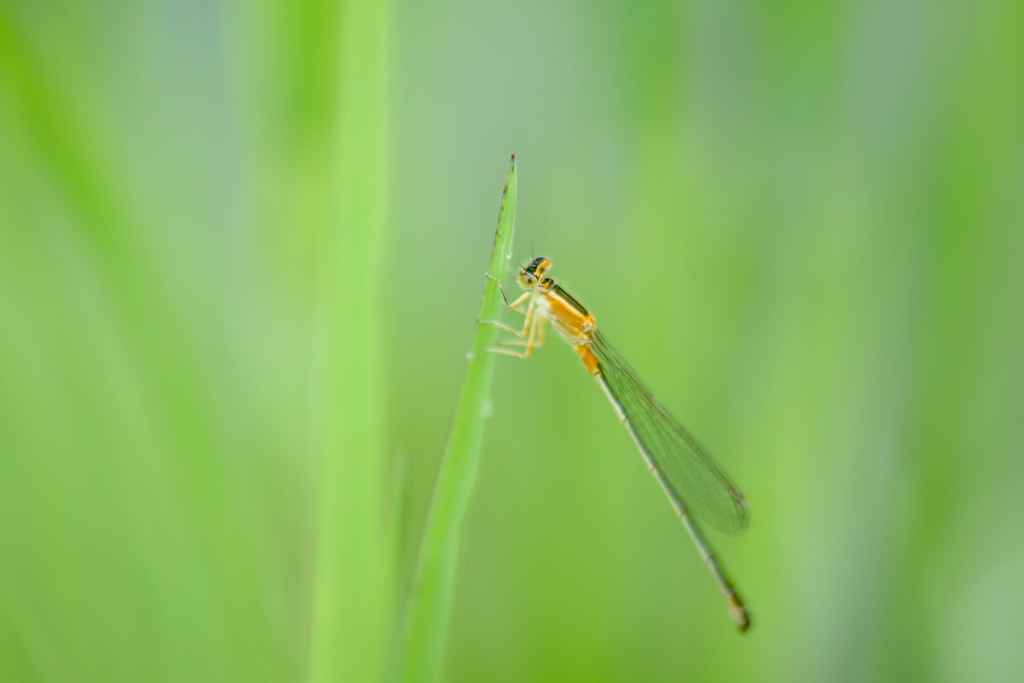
(694, 483)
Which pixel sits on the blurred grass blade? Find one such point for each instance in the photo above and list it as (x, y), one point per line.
(352, 572)
(420, 644)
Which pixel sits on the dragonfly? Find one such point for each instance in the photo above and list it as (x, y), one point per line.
(695, 484)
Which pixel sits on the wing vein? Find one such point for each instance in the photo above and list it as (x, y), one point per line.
(692, 476)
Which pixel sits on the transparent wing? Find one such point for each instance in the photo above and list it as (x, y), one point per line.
(691, 475)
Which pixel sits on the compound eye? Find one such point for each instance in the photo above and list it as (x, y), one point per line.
(528, 279)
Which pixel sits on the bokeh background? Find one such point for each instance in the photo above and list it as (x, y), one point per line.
(242, 248)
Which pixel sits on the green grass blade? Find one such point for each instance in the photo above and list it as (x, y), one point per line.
(420, 644)
(352, 572)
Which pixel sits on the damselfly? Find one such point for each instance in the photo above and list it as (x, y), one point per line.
(694, 483)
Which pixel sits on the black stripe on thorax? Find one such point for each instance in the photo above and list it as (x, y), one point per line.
(565, 296)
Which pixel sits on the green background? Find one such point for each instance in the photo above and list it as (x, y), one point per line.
(242, 247)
